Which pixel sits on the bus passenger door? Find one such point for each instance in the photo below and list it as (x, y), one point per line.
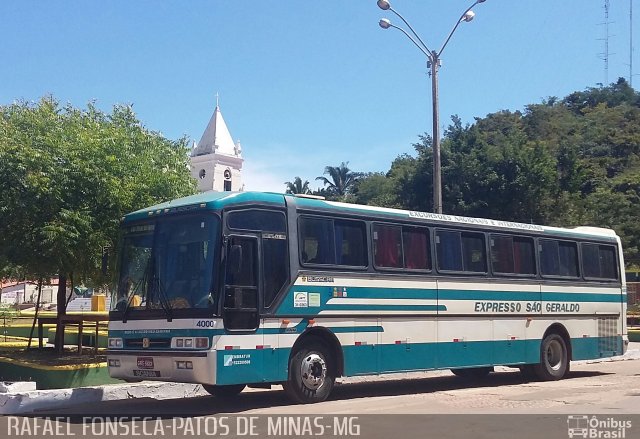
(240, 361)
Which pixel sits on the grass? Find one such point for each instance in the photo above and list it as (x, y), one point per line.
(50, 357)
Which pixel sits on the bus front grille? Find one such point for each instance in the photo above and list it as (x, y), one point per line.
(154, 343)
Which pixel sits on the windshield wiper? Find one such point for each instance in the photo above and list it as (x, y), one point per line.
(162, 297)
(136, 289)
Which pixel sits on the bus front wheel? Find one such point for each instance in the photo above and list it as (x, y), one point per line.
(554, 359)
(311, 374)
(224, 392)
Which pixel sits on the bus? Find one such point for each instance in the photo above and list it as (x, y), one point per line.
(236, 289)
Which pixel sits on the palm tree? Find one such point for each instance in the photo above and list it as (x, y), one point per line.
(298, 187)
(342, 179)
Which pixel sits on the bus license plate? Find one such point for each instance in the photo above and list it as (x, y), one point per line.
(146, 373)
(145, 363)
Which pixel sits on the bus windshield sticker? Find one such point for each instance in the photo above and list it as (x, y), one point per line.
(300, 300)
(314, 299)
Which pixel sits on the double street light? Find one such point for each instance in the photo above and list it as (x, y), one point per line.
(433, 63)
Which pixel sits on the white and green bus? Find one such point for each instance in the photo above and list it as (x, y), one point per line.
(253, 289)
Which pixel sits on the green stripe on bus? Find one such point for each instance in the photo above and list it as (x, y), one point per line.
(399, 307)
(252, 365)
(327, 293)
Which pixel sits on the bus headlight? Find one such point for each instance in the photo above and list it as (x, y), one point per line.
(184, 364)
(115, 343)
(114, 363)
(192, 342)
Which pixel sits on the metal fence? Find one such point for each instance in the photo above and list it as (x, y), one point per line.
(633, 293)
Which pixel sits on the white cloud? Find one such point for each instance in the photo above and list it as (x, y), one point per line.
(256, 178)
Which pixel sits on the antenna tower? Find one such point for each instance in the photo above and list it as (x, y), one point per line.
(631, 43)
(605, 55)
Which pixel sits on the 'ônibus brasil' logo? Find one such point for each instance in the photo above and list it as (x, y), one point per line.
(593, 427)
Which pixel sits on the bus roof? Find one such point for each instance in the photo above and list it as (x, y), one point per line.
(206, 200)
(219, 200)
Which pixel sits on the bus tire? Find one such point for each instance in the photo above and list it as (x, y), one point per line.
(311, 374)
(472, 373)
(224, 392)
(554, 358)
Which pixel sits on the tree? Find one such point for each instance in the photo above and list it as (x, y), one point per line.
(297, 187)
(69, 175)
(564, 162)
(342, 179)
(375, 189)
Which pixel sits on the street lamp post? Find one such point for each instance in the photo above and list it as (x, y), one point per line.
(433, 64)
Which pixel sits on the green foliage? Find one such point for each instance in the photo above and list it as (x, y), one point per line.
(341, 181)
(298, 186)
(375, 189)
(68, 176)
(565, 162)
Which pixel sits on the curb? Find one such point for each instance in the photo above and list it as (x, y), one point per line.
(35, 400)
(28, 402)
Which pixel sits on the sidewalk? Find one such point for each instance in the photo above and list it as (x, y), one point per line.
(20, 402)
(29, 401)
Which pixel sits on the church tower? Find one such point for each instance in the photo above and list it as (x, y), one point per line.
(216, 161)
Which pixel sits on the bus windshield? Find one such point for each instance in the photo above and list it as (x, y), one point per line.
(168, 264)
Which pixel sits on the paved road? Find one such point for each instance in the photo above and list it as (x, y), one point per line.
(600, 387)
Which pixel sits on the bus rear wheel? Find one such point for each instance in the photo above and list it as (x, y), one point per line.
(473, 373)
(224, 392)
(311, 374)
(554, 359)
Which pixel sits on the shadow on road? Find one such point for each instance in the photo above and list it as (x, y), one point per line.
(209, 405)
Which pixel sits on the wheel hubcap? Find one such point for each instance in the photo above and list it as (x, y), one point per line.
(313, 371)
(554, 355)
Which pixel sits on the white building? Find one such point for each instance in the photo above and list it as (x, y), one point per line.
(216, 161)
(27, 292)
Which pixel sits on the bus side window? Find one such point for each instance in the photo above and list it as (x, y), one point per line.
(449, 250)
(257, 220)
(608, 266)
(387, 246)
(473, 251)
(416, 246)
(461, 251)
(317, 241)
(599, 261)
(275, 262)
(512, 255)
(568, 259)
(332, 242)
(524, 256)
(350, 243)
(502, 259)
(549, 257)
(558, 258)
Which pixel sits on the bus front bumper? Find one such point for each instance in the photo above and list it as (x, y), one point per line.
(177, 366)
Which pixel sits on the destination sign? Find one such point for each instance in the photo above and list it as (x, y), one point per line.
(474, 221)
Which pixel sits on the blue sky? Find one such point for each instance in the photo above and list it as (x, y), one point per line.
(304, 84)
